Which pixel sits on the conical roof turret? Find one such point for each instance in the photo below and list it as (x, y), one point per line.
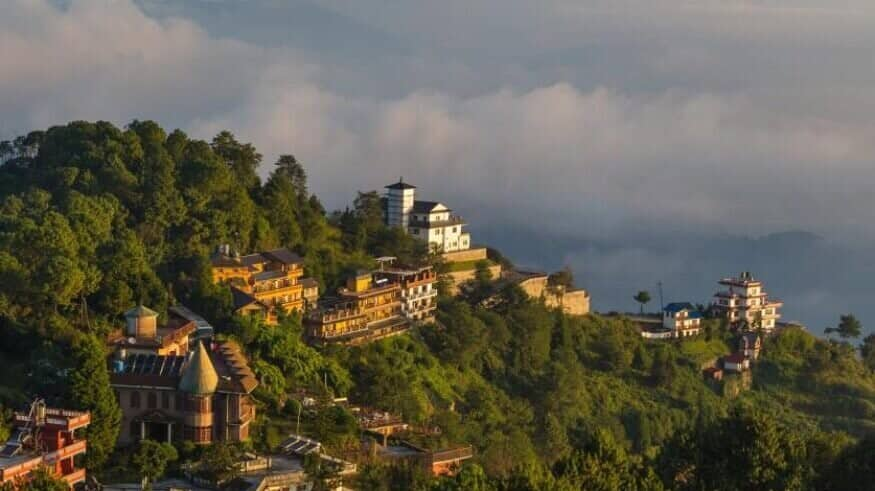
(199, 376)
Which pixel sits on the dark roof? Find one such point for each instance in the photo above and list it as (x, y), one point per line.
(309, 283)
(252, 259)
(242, 299)
(424, 206)
(270, 274)
(400, 185)
(223, 260)
(156, 365)
(231, 367)
(283, 255)
(737, 357)
(679, 306)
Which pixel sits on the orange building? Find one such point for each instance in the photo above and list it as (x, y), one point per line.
(368, 308)
(44, 438)
(265, 283)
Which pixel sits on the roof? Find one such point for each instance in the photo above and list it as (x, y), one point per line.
(426, 206)
(242, 299)
(251, 259)
(283, 255)
(309, 283)
(270, 274)
(141, 311)
(199, 375)
(231, 369)
(679, 306)
(737, 357)
(400, 185)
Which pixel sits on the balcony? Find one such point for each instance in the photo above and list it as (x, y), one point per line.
(70, 450)
(74, 477)
(420, 296)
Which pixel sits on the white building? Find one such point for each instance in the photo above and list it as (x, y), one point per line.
(682, 318)
(430, 221)
(418, 290)
(745, 304)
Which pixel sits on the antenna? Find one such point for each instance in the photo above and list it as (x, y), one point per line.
(661, 302)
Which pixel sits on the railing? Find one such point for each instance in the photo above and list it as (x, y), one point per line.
(452, 454)
(418, 296)
(74, 477)
(74, 448)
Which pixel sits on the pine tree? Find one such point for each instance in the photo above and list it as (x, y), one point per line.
(90, 390)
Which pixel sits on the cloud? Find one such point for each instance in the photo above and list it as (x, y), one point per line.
(604, 159)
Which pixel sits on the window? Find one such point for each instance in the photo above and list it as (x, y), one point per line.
(165, 400)
(454, 229)
(152, 400)
(135, 400)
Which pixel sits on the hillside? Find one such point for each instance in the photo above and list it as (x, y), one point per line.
(95, 219)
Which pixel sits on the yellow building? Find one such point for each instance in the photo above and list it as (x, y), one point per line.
(368, 308)
(265, 283)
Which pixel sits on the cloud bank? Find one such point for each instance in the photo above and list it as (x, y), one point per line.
(626, 121)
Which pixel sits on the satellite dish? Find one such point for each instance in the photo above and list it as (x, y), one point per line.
(132, 340)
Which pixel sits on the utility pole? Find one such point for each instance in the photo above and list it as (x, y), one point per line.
(661, 301)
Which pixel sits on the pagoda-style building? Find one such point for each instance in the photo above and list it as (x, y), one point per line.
(265, 283)
(44, 437)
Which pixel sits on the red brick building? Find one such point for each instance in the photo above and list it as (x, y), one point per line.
(44, 438)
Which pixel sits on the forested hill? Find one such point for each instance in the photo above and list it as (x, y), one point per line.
(95, 219)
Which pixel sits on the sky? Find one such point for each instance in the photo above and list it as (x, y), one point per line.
(636, 141)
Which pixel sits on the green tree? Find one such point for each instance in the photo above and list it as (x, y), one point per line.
(90, 390)
(219, 463)
(151, 459)
(867, 351)
(43, 479)
(642, 297)
(849, 327)
(563, 278)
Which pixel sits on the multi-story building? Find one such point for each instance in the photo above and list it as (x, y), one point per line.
(418, 290)
(46, 438)
(369, 307)
(682, 318)
(199, 394)
(430, 221)
(265, 283)
(745, 304)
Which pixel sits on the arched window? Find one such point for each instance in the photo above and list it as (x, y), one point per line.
(152, 400)
(135, 400)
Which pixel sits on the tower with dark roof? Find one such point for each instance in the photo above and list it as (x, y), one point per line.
(399, 203)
